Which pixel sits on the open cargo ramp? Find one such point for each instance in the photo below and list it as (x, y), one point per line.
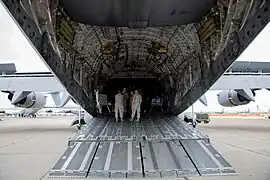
(160, 147)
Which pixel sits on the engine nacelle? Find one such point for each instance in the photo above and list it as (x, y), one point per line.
(230, 98)
(32, 100)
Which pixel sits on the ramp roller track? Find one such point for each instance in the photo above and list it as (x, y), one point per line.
(161, 147)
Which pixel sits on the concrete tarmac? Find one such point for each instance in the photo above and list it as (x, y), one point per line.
(244, 143)
(29, 147)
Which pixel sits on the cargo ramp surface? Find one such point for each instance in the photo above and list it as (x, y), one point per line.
(159, 147)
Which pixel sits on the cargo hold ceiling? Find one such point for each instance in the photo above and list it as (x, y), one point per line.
(165, 50)
(134, 13)
(147, 38)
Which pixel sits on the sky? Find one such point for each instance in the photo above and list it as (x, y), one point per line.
(15, 48)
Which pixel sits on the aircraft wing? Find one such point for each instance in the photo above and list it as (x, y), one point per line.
(242, 81)
(244, 75)
(241, 75)
(34, 82)
(39, 82)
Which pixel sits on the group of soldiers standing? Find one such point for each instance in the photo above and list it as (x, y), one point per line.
(122, 105)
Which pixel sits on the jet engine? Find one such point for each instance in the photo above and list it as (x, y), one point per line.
(31, 100)
(230, 98)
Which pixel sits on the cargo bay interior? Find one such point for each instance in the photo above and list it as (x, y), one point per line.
(138, 40)
(150, 89)
(133, 53)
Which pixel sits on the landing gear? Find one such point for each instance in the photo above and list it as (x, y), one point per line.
(33, 115)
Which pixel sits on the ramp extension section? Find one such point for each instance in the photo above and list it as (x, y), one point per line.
(156, 147)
